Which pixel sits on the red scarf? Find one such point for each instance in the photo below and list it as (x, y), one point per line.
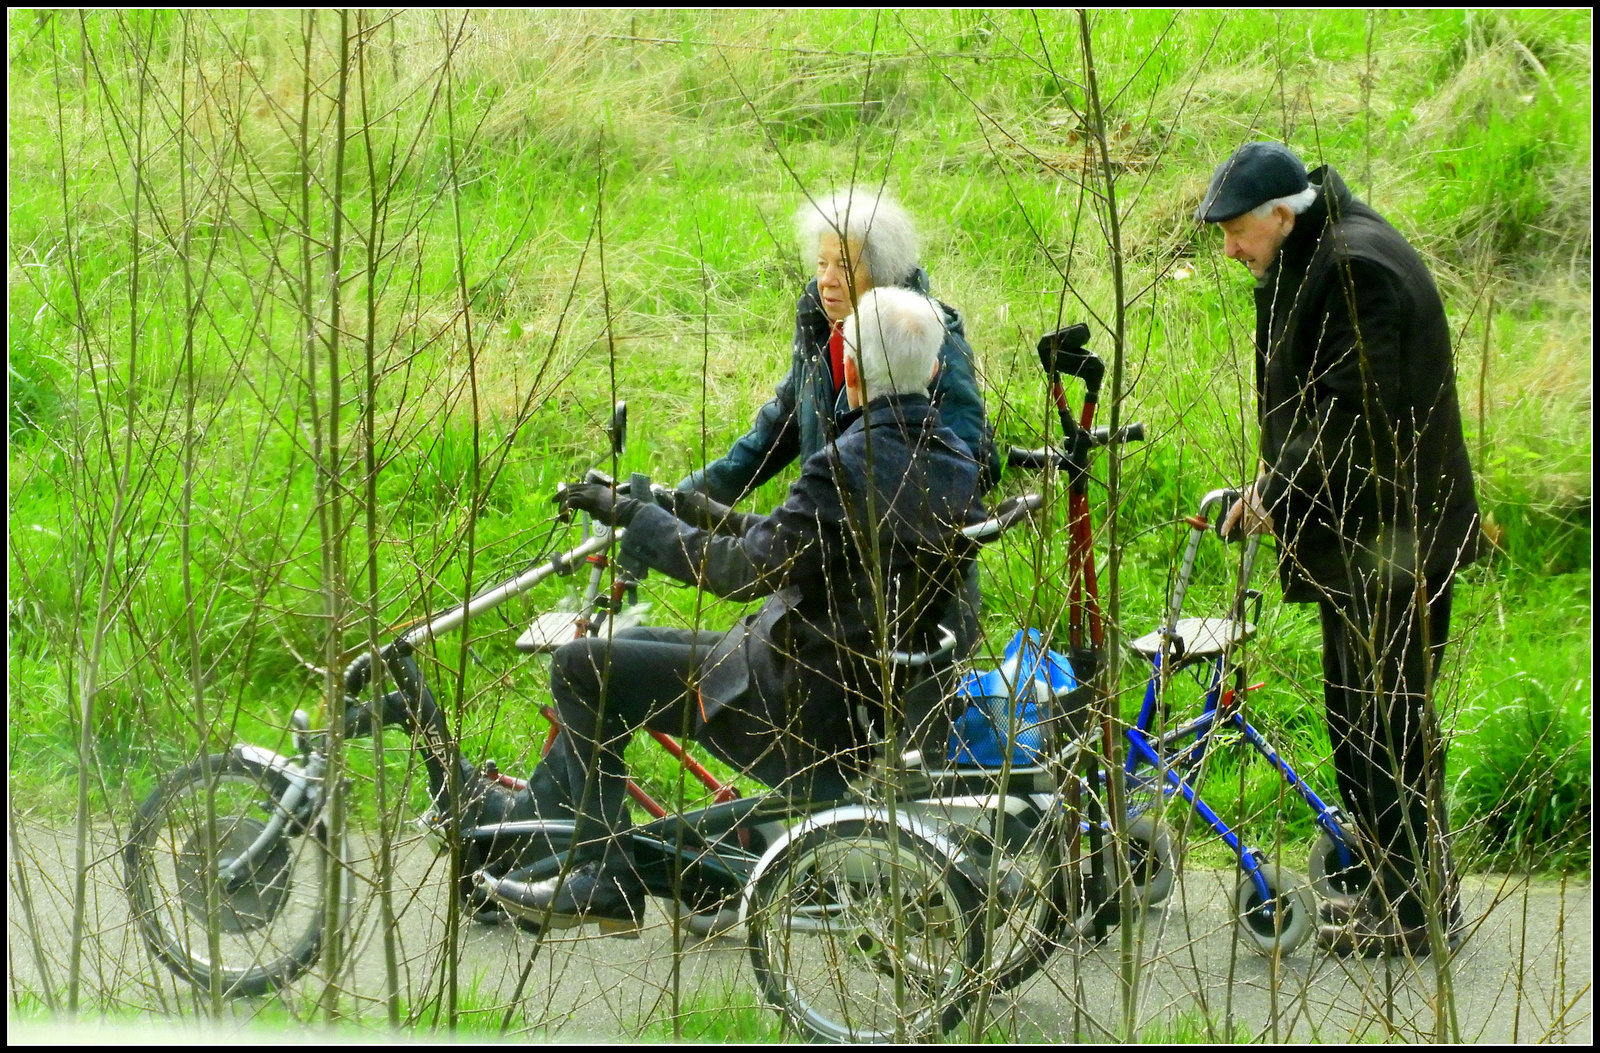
(836, 355)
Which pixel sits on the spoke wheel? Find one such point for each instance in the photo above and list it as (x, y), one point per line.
(251, 934)
(865, 932)
(1026, 915)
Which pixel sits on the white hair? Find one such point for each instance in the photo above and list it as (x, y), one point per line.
(1295, 203)
(894, 338)
(870, 218)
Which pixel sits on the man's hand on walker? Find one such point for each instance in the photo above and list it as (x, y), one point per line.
(1249, 513)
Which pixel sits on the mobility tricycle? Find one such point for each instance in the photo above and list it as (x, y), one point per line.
(874, 918)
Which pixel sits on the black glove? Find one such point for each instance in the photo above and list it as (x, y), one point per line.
(691, 506)
(696, 509)
(601, 502)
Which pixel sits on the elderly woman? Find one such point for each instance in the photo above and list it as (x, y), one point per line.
(858, 239)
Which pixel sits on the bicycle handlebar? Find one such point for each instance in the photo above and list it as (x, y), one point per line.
(1225, 497)
(1019, 457)
(1007, 515)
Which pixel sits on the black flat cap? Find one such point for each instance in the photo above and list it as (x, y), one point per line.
(1256, 173)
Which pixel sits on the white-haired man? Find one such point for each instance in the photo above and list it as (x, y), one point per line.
(1367, 486)
(862, 557)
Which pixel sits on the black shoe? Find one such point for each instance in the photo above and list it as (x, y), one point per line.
(1368, 931)
(489, 914)
(487, 802)
(584, 894)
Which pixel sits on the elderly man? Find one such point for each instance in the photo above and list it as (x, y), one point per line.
(1367, 486)
(862, 557)
(858, 239)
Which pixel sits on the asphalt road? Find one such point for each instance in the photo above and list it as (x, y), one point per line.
(1523, 975)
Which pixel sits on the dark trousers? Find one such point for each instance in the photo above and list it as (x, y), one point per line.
(605, 689)
(1381, 650)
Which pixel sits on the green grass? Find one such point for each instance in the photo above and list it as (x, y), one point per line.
(714, 1015)
(1192, 1029)
(1521, 783)
(539, 213)
(736, 1016)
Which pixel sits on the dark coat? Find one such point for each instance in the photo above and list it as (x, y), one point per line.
(1366, 466)
(805, 412)
(875, 514)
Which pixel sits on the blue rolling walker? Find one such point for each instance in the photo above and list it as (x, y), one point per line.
(1273, 905)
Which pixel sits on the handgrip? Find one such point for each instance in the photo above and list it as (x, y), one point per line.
(1018, 457)
(358, 674)
(1222, 500)
(1127, 433)
(1065, 351)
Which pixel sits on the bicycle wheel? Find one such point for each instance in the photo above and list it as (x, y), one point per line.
(865, 932)
(254, 933)
(1026, 916)
(1039, 902)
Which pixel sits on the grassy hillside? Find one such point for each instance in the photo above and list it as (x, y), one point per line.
(308, 314)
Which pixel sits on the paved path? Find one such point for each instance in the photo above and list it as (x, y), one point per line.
(1524, 975)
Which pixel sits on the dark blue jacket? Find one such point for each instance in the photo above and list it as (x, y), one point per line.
(804, 413)
(863, 555)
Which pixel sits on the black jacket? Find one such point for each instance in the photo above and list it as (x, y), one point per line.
(863, 555)
(805, 412)
(1366, 467)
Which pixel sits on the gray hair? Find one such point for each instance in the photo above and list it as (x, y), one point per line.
(894, 338)
(1295, 203)
(872, 218)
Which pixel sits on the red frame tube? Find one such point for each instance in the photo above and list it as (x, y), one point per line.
(1083, 588)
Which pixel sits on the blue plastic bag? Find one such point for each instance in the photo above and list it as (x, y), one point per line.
(1008, 705)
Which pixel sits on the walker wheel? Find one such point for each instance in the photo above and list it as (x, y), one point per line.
(1331, 878)
(1280, 921)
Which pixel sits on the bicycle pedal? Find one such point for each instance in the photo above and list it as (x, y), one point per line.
(710, 924)
(432, 827)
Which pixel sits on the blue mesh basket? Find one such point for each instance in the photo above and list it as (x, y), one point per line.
(1006, 707)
